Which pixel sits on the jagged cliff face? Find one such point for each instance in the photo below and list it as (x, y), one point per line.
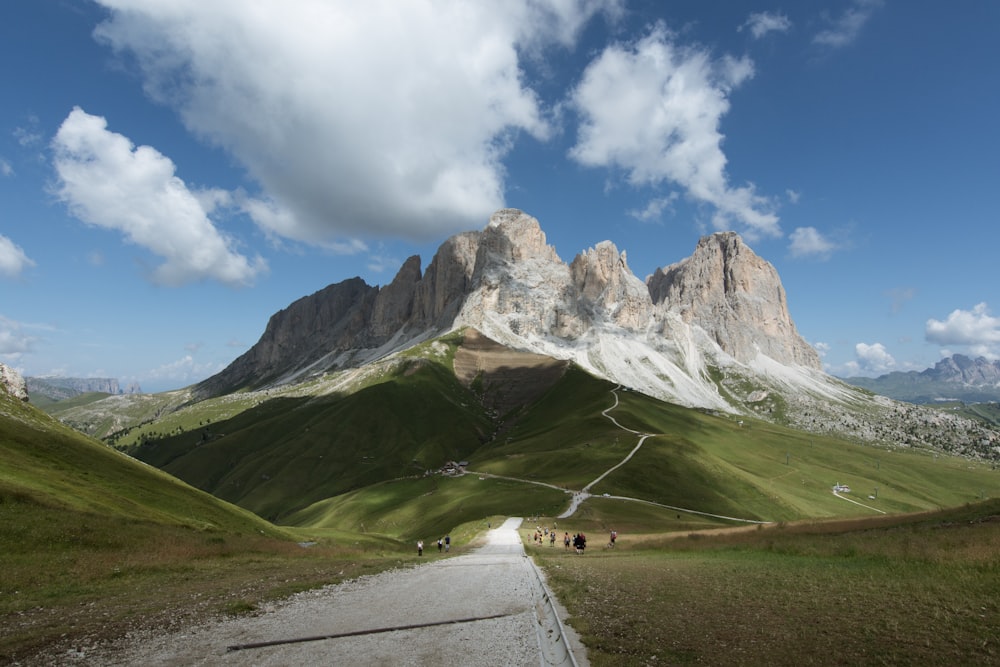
(736, 298)
(723, 305)
(960, 369)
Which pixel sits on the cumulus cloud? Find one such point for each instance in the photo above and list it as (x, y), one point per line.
(14, 340)
(356, 118)
(108, 182)
(842, 30)
(808, 241)
(761, 23)
(873, 359)
(652, 108)
(5, 168)
(976, 329)
(12, 258)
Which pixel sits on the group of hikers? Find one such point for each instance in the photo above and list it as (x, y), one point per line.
(443, 543)
(578, 541)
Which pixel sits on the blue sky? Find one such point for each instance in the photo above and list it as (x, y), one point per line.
(173, 173)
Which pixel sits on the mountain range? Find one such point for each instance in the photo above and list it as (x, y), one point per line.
(957, 378)
(722, 306)
(61, 388)
(711, 331)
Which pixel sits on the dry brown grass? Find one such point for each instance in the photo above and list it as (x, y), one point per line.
(924, 593)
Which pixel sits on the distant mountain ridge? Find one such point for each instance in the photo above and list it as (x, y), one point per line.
(956, 378)
(61, 388)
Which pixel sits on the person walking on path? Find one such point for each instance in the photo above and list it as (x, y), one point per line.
(420, 547)
(447, 543)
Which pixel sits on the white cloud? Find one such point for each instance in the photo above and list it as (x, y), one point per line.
(28, 137)
(107, 181)
(655, 208)
(761, 23)
(653, 108)
(808, 241)
(14, 342)
(180, 373)
(976, 329)
(844, 29)
(376, 118)
(5, 168)
(873, 359)
(12, 258)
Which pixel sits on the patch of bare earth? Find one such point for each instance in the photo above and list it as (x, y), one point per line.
(505, 379)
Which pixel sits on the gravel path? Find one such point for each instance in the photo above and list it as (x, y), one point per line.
(496, 584)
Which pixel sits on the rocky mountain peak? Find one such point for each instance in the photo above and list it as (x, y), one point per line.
(513, 236)
(12, 382)
(394, 304)
(736, 297)
(605, 283)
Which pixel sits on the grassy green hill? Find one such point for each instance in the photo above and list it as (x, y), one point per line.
(46, 465)
(287, 453)
(279, 451)
(988, 413)
(94, 544)
(704, 463)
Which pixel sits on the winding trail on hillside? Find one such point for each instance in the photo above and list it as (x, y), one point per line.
(485, 608)
(867, 507)
(579, 496)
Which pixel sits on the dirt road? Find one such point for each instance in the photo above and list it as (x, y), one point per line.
(485, 608)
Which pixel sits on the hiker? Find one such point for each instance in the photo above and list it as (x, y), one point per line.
(552, 538)
(440, 544)
(614, 536)
(565, 541)
(420, 547)
(447, 543)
